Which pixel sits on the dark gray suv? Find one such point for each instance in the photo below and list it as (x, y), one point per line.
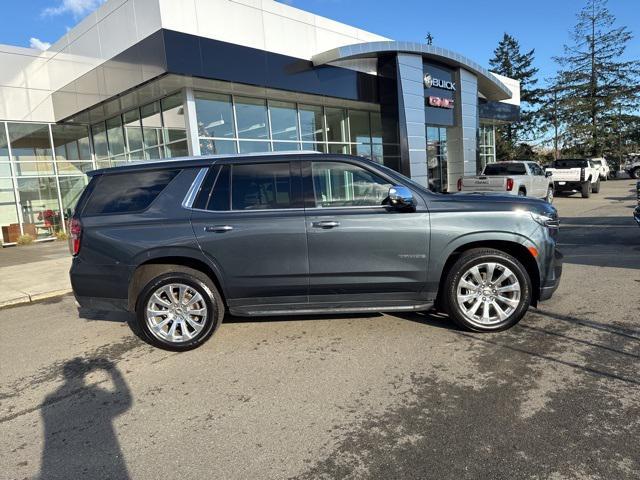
(180, 242)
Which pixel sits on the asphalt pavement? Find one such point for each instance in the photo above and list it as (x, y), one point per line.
(377, 396)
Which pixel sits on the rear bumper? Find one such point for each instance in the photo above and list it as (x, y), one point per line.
(550, 284)
(100, 287)
(560, 186)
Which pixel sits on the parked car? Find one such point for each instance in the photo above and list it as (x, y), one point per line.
(575, 175)
(601, 165)
(181, 242)
(521, 178)
(632, 166)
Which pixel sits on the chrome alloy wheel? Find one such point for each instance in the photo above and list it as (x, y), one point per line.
(488, 293)
(176, 313)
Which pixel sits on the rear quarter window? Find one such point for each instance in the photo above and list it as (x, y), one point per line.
(127, 192)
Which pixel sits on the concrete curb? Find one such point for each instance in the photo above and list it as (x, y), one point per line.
(36, 297)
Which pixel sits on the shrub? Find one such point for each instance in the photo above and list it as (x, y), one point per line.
(25, 239)
(63, 236)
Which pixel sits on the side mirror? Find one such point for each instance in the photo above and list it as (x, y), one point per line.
(401, 198)
(548, 174)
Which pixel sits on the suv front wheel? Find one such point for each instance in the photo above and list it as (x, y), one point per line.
(487, 290)
(180, 309)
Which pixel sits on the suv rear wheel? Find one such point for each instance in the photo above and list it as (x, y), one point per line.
(179, 310)
(596, 187)
(487, 290)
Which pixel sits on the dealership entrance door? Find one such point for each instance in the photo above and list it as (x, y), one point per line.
(437, 158)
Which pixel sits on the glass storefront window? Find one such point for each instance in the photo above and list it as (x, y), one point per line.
(285, 146)
(337, 148)
(359, 127)
(40, 208)
(217, 147)
(376, 128)
(173, 119)
(99, 133)
(5, 166)
(30, 142)
(70, 190)
(28, 169)
(151, 125)
(311, 123)
(215, 115)
(74, 168)
(115, 136)
(133, 130)
(336, 124)
(254, 147)
(284, 121)
(252, 118)
(437, 158)
(71, 142)
(486, 146)
(176, 149)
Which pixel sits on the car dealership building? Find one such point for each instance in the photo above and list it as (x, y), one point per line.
(151, 79)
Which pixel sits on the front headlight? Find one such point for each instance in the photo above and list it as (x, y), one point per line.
(545, 219)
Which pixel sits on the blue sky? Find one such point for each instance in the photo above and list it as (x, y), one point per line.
(471, 27)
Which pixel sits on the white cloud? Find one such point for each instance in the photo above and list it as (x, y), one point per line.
(39, 44)
(76, 7)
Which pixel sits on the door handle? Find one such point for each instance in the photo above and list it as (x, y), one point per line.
(218, 228)
(326, 224)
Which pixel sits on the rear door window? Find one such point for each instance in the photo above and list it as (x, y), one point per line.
(261, 186)
(127, 192)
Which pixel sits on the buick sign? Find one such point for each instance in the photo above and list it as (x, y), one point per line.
(429, 82)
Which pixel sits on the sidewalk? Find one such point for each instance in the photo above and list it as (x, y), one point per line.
(34, 272)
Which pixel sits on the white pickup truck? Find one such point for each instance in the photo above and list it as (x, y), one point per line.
(575, 175)
(522, 178)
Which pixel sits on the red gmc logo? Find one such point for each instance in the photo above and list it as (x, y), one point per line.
(440, 102)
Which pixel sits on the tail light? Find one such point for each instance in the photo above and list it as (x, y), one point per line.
(75, 236)
(582, 175)
(509, 184)
(459, 184)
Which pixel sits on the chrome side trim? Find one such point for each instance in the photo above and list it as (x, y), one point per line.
(255, 311)
(195, 187)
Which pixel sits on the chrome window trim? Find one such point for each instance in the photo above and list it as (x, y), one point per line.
(195, 187)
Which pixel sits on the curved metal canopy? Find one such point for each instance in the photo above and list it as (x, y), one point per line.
(488, 84)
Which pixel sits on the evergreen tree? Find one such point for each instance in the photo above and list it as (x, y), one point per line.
(597, 86)
(508, 60)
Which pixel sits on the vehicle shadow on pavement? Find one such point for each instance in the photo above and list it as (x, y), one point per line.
(79, 436)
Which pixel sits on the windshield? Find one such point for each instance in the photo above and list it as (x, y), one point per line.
(570, 164)
(505, 169)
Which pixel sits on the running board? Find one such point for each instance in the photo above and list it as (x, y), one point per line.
(261, 311)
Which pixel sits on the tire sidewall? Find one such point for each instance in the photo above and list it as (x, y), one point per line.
(211, 299)
(464, 264)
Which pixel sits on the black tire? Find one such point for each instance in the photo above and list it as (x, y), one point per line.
(203, 285)
(550, 194)
(596, 187)
(586, 189)
(635, 173)
(468, 260)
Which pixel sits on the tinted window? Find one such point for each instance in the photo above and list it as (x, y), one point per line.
(570, 164)
(597, 163)
(127, 192)
(261, 186)
(220, 197)
(505, 169)
(339, 184)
